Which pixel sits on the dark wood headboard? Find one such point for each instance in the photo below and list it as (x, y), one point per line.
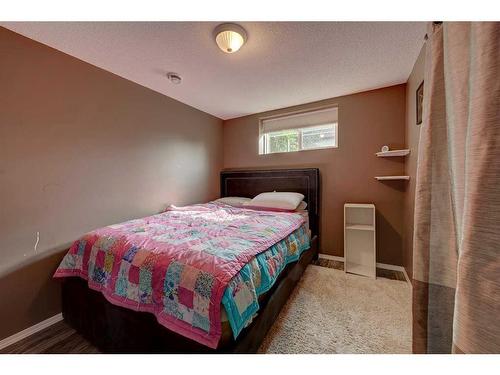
(249, 183)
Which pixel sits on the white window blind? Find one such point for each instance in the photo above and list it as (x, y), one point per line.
(315, 129)
(300, 120)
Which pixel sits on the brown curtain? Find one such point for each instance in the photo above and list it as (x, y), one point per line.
(456, 260)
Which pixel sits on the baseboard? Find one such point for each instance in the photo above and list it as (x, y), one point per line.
(30, 331)
(379, 265)
(331, 257)
(394, 268)
(406, 276)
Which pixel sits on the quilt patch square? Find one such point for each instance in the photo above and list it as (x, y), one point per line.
(78, 262)
(145, 277)
(201, 322)
(99, 276)
(173, 275)
(124, 269)
(256, 274)
(185, 297)
(105, 243)
(69, 262)
(133, 292)
(243, 298)
(122, 281)
(130, 253)
(187, 314)
(150, 261)
(121, 286)
(81, 247)
(204, 284)
(171, 307)
(139, 257)
(108, 262)
(144, 296)
(133, 274)
(201, 304)
(188, 277)
(99, 258)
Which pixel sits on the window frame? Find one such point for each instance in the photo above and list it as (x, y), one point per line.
(264, 138)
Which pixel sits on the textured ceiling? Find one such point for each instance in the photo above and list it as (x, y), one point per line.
(282, 64)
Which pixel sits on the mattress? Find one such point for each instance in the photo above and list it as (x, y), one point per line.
(305, 216)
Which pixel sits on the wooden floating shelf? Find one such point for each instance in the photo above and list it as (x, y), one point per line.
(359, 227)
(387, 154)
(389, 178)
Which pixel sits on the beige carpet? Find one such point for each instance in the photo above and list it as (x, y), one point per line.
(334, 312)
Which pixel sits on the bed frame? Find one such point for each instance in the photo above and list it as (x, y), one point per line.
(114, 329)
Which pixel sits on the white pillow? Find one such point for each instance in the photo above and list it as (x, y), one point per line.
(277, 200)
(302, 206)
(233, 201)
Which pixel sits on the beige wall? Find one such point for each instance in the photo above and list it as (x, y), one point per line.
(367, 121)
(412, 134)
(81, 148)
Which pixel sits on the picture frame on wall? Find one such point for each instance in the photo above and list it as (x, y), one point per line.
(420, 100)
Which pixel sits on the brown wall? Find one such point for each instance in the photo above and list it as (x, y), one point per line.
(412, 134)
(367, 121)
(81, 148)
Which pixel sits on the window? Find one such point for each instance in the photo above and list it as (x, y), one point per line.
(310, 130)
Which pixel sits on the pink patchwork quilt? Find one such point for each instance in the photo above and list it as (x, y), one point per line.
(177, 264)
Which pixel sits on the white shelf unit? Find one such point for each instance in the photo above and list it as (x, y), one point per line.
(391, 153)
(360, 239)
(390, 178)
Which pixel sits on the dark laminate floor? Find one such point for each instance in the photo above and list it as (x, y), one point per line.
(59, 338)
(62, 339)
(388, 274)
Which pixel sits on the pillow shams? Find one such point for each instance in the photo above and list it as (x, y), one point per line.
(276, 200)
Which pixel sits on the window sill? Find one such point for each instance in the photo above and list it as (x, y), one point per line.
(300, 151)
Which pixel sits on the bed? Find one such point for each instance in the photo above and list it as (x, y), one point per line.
(115, 327)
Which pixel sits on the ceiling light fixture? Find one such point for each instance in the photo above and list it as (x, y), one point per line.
(174, 78)
(230, 37)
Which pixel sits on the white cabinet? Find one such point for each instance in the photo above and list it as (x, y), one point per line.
(359, 239)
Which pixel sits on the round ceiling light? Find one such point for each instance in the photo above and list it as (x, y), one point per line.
(230, 37)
